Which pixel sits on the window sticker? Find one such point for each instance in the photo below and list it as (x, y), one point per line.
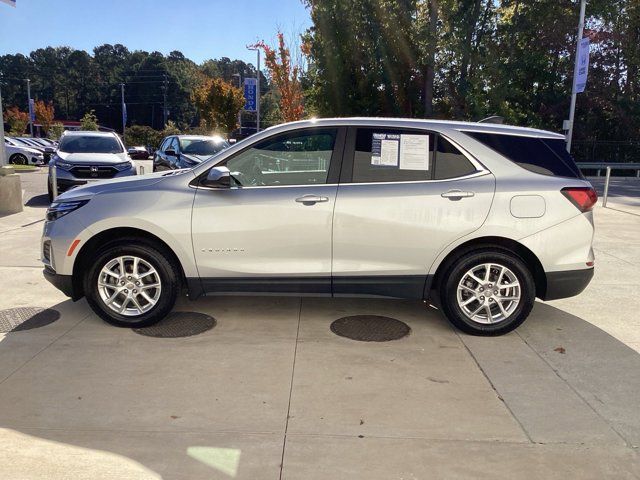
(384, 149)
(414, 152)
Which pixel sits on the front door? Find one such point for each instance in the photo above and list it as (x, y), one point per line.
(404, 196)
(271, 231)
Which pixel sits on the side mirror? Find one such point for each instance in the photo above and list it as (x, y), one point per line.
(170, 152)
(218, 177)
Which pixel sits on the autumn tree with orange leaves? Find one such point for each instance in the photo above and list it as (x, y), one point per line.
(44, 114)
(286, 77)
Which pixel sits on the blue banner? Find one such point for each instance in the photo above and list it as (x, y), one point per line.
(250, 94)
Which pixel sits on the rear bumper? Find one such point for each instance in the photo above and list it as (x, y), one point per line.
(64, 283)
(567, 283)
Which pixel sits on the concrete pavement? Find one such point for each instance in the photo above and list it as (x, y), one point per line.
(272, 393)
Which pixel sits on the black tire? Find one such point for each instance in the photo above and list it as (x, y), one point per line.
(453, 275)
(160, 261)
(18, 159)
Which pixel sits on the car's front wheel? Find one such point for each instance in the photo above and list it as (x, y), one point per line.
(487, 292)
(18, 159)
(131, 284)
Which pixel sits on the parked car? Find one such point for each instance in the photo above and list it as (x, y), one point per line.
(21, 154)
(138, 153)
(86, 157)
(186, 151)
(479, 218)
(46, 149)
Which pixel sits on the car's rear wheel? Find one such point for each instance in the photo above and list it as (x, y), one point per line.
(487, 292)
(131, 284)
(18, 159)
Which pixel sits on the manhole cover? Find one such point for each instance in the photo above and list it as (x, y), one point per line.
(179, 324)
(370, 328)
(26, 318)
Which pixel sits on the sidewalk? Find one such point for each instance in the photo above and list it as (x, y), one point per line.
(271, 392)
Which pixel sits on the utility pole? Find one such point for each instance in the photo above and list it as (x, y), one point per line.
(124, 109)
(164, 107)
(574, 93)
(30, 107)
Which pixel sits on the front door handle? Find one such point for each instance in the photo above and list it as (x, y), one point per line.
(311, 199)
(456, 194)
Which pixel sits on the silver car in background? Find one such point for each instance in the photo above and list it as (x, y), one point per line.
(85, 157)
(480, 219)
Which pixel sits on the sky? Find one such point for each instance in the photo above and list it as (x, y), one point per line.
(200, 29)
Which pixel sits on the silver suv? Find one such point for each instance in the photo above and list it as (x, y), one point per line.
(85, 157)
(479, 218)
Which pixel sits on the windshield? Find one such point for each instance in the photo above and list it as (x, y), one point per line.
(198, 146)
(89, 144)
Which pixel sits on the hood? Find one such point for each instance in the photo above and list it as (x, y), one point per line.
(93, 158)
(30, 150)
(196, 158)
(125, 183)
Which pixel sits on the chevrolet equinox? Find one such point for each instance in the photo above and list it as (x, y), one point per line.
(480, 219)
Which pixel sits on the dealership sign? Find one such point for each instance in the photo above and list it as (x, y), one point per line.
(583, 65)
(250, 94)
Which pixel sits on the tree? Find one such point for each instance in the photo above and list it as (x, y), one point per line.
(17, 120)
(218, 103)
(44, 114)
(89, 121)
(286, 77)
(55, 131)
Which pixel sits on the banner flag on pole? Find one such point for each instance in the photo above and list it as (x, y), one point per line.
(9, 2)
(124, 113)
(250, 95)
(583, 65)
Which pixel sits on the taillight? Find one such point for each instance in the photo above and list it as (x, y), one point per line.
(582, 197)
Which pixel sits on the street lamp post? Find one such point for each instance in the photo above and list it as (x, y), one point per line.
(30, 107)
(257, 49)
(124, 109)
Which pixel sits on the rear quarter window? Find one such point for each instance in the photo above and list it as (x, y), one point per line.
(539, 155)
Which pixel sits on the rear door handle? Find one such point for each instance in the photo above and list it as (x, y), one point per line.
(456, 194)
(311, 199)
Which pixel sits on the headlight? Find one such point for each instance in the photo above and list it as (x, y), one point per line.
(123, 166)
(64, 165)
(60, 209)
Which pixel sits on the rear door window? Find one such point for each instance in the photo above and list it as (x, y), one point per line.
(392, 155)
(539, 155)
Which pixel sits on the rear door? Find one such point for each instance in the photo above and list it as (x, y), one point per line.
(404, 195)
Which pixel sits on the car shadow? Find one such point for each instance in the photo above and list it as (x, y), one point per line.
(38, 201)
(589, 354)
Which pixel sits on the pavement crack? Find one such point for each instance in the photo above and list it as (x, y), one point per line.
(524, 430)
(571, 387)
(293, 371)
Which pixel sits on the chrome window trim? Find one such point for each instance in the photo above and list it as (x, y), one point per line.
(478, 173)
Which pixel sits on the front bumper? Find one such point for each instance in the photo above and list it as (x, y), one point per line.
(567, 283)
(64, 283)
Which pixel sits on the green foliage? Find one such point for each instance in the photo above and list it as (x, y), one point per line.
(55, 131)
(218, 103)
(89, 121)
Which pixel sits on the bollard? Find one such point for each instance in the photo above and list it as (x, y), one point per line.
(606, 187)
(141, 169)
(54, 181)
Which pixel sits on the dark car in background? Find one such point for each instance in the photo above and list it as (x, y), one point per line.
(138, 153)
(186, 151)
(85, 157)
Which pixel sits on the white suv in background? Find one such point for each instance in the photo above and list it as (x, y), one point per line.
(480, 218)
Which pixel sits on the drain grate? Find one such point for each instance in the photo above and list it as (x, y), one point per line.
(26, 318)
(370, 328)
(179, 324)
